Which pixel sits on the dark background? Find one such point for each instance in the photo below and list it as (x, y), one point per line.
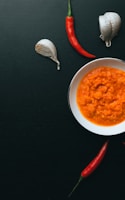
(42, 147)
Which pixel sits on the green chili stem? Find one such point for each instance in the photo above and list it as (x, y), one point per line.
(80, 179)
(69, 8)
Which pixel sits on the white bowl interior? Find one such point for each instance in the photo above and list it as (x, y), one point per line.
(97, 129)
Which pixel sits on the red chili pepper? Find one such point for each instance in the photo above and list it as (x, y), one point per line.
(72, 36)
(92, 165)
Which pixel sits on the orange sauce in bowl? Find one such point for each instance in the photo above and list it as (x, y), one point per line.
(101, 96)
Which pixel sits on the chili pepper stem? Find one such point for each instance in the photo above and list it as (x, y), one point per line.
(80, 179)
(69, 8)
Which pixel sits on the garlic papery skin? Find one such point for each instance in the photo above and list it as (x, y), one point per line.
(109, 25)
(46, 47)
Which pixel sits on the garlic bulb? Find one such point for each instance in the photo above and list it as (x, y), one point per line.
(47, 48)
(109, 25)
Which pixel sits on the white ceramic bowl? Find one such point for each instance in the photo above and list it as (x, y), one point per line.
(97, 129)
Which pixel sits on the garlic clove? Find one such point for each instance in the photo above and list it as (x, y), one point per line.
(105, 30)
(46, 47)
(115, 21)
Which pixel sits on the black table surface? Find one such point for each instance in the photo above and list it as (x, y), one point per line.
(42, 147)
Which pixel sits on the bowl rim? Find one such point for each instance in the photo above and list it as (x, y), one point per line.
(85, 123)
